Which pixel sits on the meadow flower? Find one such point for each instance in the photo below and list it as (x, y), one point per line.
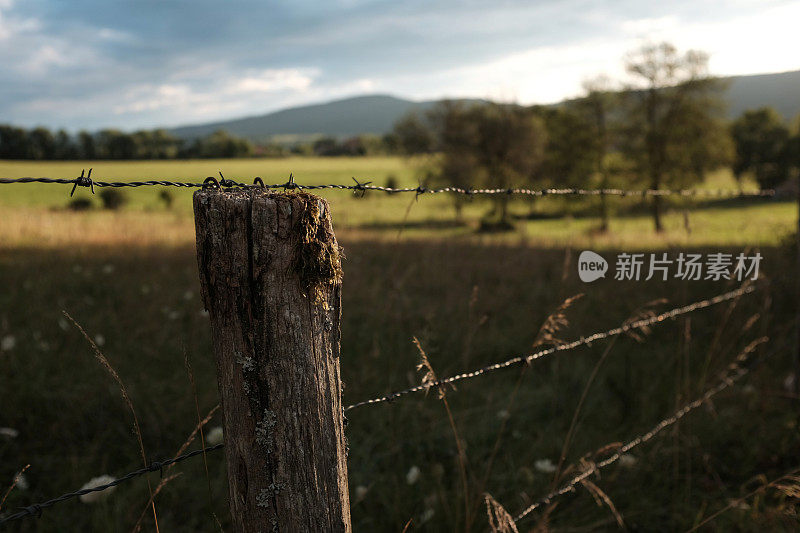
(173, 315)
(627, 460)
(7, 343)
(145, 289)
(426, 515)
(361, 493)
(188, 295)
(108, 269)
(214, 436)
(99, 339)
(503, 414)
(63, 324)
(545, 466)
(413, 475)
(93, 497)
(22, 482)
(9, 433)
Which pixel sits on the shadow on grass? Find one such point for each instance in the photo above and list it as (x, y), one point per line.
(470, 304)
(433, 224)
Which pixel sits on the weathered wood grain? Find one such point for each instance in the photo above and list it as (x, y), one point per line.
(271, 278)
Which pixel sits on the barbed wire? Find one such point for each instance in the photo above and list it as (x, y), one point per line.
(36, 508)
(729, 377)
(628, 326)
(85, 180)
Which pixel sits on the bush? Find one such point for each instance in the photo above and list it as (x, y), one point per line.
(391, 181)
(80, 204)
(167, 197)
(113, 198)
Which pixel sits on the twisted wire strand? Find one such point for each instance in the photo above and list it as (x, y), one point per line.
(36, 508)
(84, 181)
(728, 378)
(628, 326)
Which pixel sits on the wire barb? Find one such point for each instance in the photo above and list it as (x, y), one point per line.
(361, 188)
(84, 181)
(225, 183)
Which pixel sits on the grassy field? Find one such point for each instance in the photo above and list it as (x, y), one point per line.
(378, 216)
(129, 278)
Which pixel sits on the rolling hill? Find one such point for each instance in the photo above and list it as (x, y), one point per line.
(378, 113)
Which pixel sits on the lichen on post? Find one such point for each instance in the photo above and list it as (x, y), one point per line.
(270, 274)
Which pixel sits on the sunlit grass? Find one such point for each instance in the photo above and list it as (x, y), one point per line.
(35, 215)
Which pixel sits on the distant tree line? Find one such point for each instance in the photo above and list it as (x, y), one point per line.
(665, 130)
(41, 143)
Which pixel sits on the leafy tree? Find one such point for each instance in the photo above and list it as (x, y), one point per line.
(326, 146)
(86, 145)
(414, 135)
(14, 143)
(674, 119)
(115, 144)
(220, 144)
(762, 147)
(569, 159)
(42, 144)
(597, 106)
(454, 129)
(65, 147)
(489, 145)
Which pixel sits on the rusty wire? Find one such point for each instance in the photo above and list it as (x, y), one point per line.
(729, 377)
(526, 359)
(359, 187)
(155, 466)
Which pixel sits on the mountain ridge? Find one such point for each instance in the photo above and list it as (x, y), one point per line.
(377, 113)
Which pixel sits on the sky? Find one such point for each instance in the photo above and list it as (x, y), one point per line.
(88, 64)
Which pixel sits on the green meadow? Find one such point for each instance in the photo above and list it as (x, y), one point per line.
(129, 278)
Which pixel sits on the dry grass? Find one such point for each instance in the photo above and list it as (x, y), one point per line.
(469, 299)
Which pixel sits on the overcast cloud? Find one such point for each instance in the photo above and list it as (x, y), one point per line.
(92, 63)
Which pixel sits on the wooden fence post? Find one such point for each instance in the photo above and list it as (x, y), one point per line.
(270, 273)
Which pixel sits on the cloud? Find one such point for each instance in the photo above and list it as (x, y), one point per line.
(93, 63)
(215, 98)
(275, 79)
(11, 25)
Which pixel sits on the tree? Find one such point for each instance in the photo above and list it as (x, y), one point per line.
(326, 146)
(508, 150)
(115, 144)
(456, 136)
(65, 147)
(762, 142)
(14, 143)
(597, 105)
(488, 145)
(414, 135)
(42, 144)
(220, 144)
(86, 145)
(674, 119)
(569, 159)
